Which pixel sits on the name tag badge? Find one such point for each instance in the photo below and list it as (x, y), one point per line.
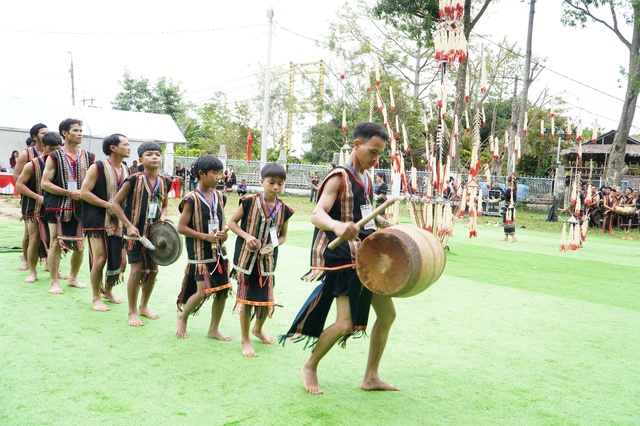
(213, 226)
(153, 210)
(365, 210)
(72, 185)
(274, 236)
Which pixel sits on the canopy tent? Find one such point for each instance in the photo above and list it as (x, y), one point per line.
(17, 116)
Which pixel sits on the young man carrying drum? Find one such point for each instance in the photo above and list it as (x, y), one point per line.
(345, 197)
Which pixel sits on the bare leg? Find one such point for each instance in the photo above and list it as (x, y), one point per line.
(25, 248)
(33, 251)
(133, 286)
(328, 338)
(53, 259)
(192, 303)
(76, 263)
(259, 333)
(217, 309)
(245, 322)
(147, 289)
(98, 260)
(385, 315)
(108, 294)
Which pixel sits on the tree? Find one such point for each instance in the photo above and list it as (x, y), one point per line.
(163, 98)
(576, 14)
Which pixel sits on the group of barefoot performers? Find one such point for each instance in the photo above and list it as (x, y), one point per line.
(67, 195)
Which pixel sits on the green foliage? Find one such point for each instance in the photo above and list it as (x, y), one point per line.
(415, 18)
(163, 98)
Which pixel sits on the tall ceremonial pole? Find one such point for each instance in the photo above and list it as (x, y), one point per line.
(267, 84)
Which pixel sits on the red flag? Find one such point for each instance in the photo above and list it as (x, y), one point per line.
(249, 143)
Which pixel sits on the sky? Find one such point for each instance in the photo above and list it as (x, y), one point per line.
(209, 46)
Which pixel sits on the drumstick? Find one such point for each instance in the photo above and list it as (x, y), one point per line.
(335, 243)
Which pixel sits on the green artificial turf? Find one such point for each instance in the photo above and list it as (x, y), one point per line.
(512, 333)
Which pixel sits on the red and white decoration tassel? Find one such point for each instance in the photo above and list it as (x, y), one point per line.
(466, 121)
(342, 65)
(526, 123)
(516, 149)
(594, 135)
(483, 77)
(541, 129)
(344, 119)
(563, 238)
(405, 139)
(393, 101)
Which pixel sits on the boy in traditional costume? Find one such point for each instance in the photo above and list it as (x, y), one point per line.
(203, 224)
(65, 170)
(32, 151)
(101, 226)
(261, 225)
(29, 184)
(145, 195)
(344, 197)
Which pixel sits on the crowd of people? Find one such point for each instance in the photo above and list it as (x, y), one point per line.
(611, 208)
(69, 198)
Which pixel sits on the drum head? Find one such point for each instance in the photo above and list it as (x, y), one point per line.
(165, 236)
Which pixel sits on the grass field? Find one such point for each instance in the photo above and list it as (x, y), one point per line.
(511, 334)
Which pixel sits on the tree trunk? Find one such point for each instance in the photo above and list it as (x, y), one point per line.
(416, 74)
(616, 167)
(527, 74)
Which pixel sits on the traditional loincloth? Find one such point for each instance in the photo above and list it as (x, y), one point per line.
(310, 321)
(216, 282)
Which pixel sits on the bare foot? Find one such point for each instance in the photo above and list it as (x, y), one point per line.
(377, 384)
(215, 334)
(247, 350)
(264, 338)
(55, 289)
(514, 240)
(505, 239)
(98, 305)
(181, 326)
(75, 283)
(62, 276)
(23, 267)
(31, 278)
(145, 312)
(134, 320)
(111, 297)
(310, 380)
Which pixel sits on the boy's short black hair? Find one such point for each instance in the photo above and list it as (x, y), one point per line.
(52, 139)
(35, 129)
(366, 130)
(111, 140)
(273, 170)
(148, 146)
(65, 125)
(205, 164)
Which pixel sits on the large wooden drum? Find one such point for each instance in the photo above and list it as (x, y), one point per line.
(400, 261)
(625, 210)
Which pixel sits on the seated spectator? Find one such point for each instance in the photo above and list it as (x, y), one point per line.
(242, 187)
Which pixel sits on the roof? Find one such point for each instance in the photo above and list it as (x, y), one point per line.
(603, 146)
(18, 114)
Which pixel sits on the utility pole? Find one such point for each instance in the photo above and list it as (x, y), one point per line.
(267, 83)
(73, 87)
